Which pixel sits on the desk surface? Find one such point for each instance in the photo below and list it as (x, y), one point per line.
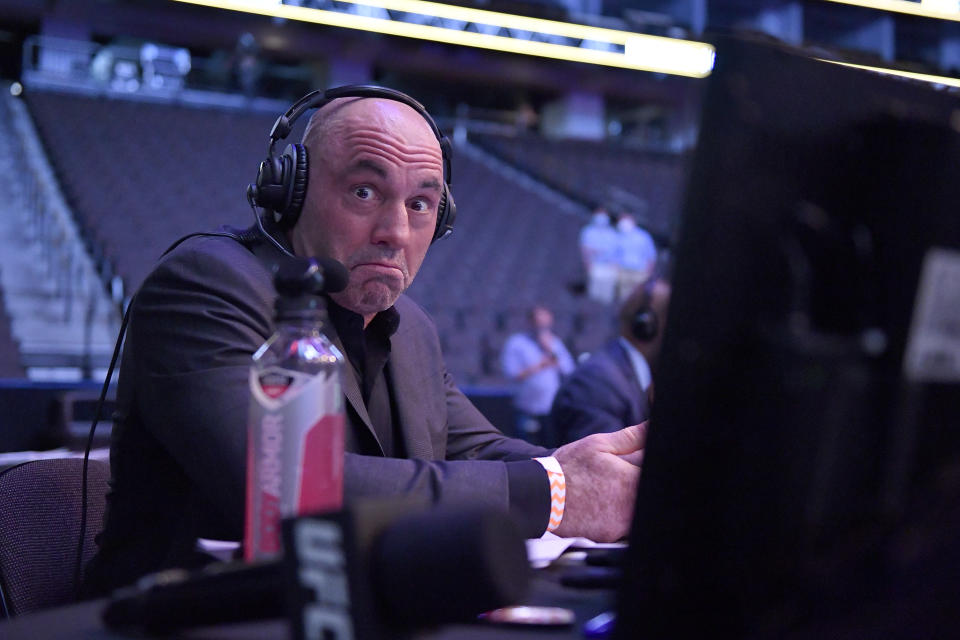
(83, 621)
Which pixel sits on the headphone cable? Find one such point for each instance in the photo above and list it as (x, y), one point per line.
(78, 568)
(263, 231)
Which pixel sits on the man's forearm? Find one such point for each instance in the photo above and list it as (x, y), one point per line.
(519, 488)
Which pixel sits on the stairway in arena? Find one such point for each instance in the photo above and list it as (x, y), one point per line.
(59, 311)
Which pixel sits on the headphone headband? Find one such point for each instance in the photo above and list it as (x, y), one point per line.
(319, 99)
(281, 184)
(316, 99)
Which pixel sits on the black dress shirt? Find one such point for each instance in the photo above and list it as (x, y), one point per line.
(367, 352)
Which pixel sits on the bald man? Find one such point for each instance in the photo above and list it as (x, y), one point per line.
(178, 450)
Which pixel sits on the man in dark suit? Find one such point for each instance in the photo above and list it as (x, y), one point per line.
(614, 386)
(376, 180)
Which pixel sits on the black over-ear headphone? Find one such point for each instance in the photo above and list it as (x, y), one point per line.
(644, 324)
(281, 184)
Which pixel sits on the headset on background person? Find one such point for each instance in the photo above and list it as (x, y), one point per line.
(644, 322)
(280, 189)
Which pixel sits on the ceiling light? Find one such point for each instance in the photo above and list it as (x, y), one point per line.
(500, 32)
(938, 9)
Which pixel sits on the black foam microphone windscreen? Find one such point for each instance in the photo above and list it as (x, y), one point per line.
(335, 275)
(448, 565)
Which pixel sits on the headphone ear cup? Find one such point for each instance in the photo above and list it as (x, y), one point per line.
(265, 190)
(281, 185)
(446, 214)
(645, 325)
(298, 190)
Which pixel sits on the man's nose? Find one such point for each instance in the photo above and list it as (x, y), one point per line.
(393, 225)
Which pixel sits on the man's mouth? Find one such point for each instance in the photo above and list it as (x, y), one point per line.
(383, 267)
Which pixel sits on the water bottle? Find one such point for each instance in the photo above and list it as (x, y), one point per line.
(295, 434)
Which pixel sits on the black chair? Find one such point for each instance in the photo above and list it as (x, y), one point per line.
(40, 527)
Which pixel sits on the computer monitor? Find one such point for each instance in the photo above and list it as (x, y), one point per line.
(802, 472)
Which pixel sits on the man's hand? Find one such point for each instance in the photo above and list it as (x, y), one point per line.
(601, 472)
(545, 341)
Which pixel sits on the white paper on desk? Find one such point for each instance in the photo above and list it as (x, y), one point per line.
(19, 457)
(548, 547)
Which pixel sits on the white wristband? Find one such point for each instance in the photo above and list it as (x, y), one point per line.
(558, 490)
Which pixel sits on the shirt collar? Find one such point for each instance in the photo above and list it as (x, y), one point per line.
(349, 324)
(640, 365)
(367, 349)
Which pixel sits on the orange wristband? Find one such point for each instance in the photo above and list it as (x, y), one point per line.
(558, 490)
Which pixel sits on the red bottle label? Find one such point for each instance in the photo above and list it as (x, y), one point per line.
(295, 453)
(321, 484)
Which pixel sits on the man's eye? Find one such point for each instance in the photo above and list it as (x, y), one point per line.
(420, 205)
(364, 193)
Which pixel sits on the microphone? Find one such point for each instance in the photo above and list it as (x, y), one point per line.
(295, 276)
(402, 568)
(335, 275)
(176, 598)
(448, 565)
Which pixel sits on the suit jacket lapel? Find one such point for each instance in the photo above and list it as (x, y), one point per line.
(351, 388)
(637, 395)
(408, 392)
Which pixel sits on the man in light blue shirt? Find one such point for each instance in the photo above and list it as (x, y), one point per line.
(536, 361)
(599, 251)
(636, 255)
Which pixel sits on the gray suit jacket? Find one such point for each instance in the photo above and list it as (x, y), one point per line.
(179, 440)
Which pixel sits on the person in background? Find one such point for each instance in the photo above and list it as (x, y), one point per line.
(247, 65)
(614, 386)
(536, 361)
(636, 255)
(598, 250)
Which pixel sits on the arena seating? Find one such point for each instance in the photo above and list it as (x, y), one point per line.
(598, 172)
(139, 175)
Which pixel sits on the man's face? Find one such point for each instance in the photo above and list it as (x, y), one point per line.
(542, 319)
(375, 184)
